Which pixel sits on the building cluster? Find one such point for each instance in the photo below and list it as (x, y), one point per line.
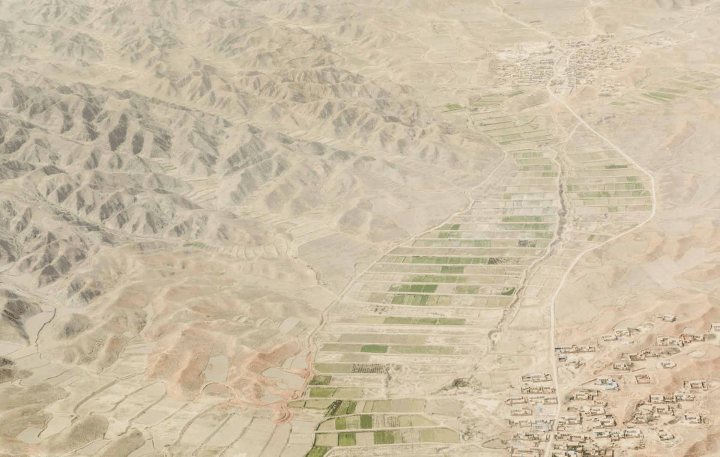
(666, 346)
(682, 339)
(619, 333)
(590, 59)
(644, 355)
(525, 69)
(664, 407)
(589, 429)
(532, 414)
(563, 352)
(587, 424)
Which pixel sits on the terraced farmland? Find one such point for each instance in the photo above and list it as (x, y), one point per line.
(419, 318)
(433, 315)
(693, 84)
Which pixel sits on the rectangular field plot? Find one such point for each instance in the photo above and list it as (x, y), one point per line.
(383, 338)
(378, 349)
(321, 404)
(404, 405)
(376, 421)
(381, 437)
(459, 300)
(428, 289)
(335, 392)
(320, 380)
(489, 270)
(328, 337)
(423, 321)
(370, 316)
(370, 384)
(420, 368)
(350, 368)
(400, 359)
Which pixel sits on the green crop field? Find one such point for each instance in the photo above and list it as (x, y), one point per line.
(451, 321)
(366, 421)
(445, 269)
(466, 290)
(423, 349)
(434, 278)
(663, 95)
(384, 437)
(346, 439)
(594, 194)
(318, 451)
(413, 300)
(374, 348)
(320, 380)
(341, 408)
(322, 392)
(654, 97)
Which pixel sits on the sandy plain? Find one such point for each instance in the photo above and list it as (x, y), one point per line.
(309, 228)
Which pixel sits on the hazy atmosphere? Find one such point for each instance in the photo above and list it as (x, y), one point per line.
(280, 228)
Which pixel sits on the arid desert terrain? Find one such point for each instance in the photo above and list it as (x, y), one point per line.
(307, 228)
